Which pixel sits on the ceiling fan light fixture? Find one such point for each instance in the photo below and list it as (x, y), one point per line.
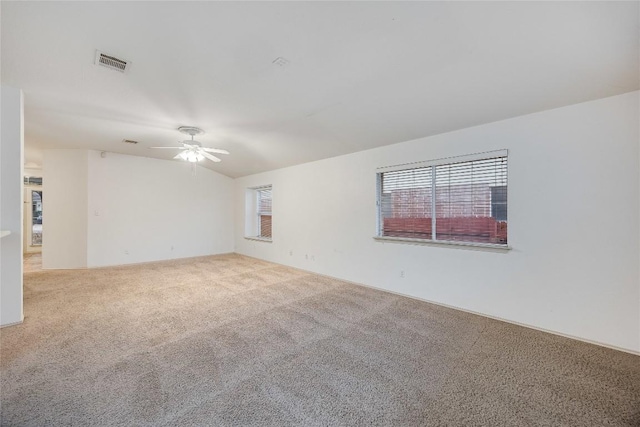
(191, 156)
(193, 151)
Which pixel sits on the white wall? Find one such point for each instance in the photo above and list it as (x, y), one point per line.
(33, 172)
(573, 223)
(11, 164)
(124, 209)
(143, 209)
(64, 208)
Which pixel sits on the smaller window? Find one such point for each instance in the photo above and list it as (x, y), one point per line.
(258, 221)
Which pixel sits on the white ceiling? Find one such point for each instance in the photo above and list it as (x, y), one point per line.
(361, 74)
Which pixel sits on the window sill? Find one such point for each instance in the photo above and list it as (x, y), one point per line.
(446, 243)
(259, 239)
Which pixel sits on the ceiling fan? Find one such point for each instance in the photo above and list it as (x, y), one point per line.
(192, 150)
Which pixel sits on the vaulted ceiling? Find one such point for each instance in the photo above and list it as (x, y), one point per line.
(358, 75)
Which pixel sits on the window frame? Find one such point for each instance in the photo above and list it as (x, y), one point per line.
(379, 236)
(253, 214)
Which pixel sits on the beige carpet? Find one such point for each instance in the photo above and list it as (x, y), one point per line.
(32, 262)
(230, 340)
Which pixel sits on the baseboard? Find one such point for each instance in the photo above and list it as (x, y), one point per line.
(93, 267)
(12, 324)
(156, 261)
(513, 322)
(573, 337)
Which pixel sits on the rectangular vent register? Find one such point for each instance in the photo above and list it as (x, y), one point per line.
(111, 62)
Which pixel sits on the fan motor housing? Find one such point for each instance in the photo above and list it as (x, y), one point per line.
(190, 130)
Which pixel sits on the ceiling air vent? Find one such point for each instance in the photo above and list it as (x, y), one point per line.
(112, 62)
(280, 61)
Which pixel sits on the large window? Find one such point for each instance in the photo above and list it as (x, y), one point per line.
(453, 200)
(258, 224)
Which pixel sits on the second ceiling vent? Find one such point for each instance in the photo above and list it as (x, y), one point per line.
(111, 62)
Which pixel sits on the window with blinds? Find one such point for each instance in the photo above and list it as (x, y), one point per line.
(264, 212)
(447, 200)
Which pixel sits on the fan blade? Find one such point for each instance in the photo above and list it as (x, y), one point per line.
(210, 157)
(178, 156)
(215, 150)
(173, 148)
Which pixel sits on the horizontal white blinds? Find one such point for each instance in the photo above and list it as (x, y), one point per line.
(445, 161)
(460, 201)
(264, 201)
(405, 203)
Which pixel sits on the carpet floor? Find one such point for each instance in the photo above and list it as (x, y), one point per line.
(231, 340)
(32, 262)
